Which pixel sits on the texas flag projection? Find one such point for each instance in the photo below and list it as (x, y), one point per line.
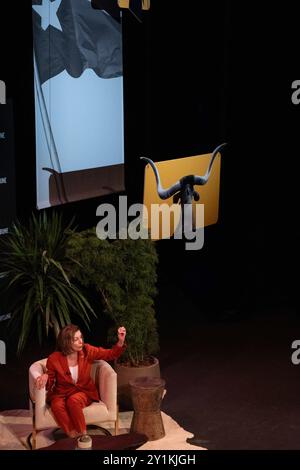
(78, 101)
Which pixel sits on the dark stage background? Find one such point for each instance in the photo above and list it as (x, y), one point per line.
(195, 77)
(197, 74)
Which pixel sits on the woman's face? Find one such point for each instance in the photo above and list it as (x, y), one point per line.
(77, 343)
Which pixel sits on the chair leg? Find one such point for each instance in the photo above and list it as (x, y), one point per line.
(31, 440)
(34, 434)
(117, 422)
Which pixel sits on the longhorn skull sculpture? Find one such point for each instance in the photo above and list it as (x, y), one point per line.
(183, 190)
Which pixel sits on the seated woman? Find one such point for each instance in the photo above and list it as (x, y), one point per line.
(68, 379)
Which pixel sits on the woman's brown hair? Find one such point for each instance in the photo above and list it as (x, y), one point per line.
(65, 339)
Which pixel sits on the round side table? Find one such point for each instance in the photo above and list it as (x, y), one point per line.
(147, 394)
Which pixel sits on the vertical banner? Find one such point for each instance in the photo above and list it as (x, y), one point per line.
(78, 77)
(7, 167)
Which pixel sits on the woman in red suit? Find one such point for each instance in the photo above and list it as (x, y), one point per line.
(68, 379)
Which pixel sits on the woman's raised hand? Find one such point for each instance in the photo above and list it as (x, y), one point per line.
(121, 335)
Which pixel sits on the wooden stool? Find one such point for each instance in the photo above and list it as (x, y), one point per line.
(147, 394)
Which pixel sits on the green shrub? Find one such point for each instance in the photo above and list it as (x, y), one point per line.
(35, 278)
(123, 272)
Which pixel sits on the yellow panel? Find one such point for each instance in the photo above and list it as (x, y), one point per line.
(125, 4)
(171, 171)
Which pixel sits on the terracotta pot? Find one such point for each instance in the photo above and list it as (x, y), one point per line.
(125, 374)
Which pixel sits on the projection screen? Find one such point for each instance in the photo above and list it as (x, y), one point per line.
(78, 80)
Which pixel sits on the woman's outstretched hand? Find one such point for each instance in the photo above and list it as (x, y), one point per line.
(121, 335)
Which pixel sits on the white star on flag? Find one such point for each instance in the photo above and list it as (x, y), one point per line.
(48, 14)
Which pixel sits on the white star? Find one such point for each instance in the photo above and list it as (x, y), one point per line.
(48, 14)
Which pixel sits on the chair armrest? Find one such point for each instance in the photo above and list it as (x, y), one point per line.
(40, 397)
(106, 382)
(35, 370)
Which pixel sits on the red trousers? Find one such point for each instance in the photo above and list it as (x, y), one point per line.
(68, 411)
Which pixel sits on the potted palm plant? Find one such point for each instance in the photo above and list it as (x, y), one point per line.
(36, 278)
(123, 272)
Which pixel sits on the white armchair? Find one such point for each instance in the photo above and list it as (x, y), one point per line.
(98, 413)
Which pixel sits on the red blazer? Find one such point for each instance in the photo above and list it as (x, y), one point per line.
(60, 382)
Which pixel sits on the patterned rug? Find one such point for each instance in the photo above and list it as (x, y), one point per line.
(15, 427)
